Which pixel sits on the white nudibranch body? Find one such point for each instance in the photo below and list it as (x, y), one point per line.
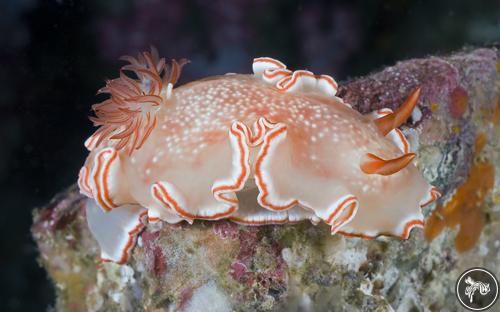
(273, 147)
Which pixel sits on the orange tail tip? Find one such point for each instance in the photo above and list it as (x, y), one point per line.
(391, 121)
(373, 164)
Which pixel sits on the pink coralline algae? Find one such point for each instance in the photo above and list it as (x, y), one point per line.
(57, 215)
(243, 268)
(226, 230)
(240, 273)
(248, 240)
(155, 259)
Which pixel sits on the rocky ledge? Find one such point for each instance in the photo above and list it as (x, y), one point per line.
(220, 266)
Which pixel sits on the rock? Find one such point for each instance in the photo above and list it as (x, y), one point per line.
(221, 266)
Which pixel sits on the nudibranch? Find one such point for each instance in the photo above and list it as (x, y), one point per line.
(276, 146)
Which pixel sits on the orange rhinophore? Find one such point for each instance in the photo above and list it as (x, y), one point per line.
(391, 121)
(273, 147)
(376, 165)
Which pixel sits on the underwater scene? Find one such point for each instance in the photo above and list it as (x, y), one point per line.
(166, 155)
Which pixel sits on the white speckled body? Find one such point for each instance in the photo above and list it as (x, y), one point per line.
(326, 141)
